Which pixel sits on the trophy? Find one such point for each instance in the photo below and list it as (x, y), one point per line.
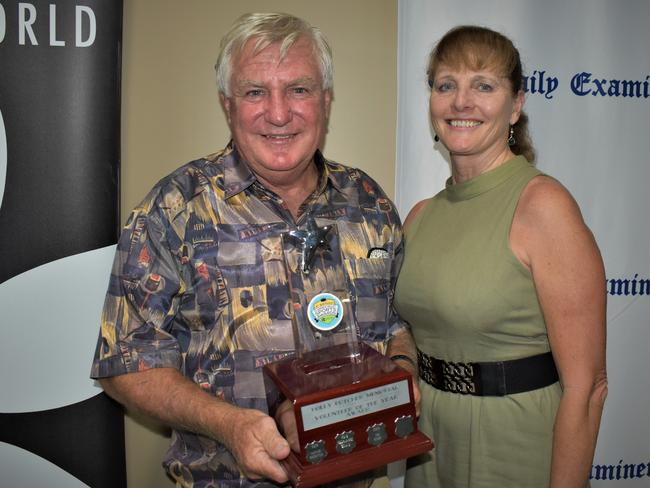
(353, 406)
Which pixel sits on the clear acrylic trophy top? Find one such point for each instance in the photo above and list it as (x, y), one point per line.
(323, 317)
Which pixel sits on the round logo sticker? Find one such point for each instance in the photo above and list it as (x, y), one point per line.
(325, 311)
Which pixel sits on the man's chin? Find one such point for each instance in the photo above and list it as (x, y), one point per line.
(285, 159)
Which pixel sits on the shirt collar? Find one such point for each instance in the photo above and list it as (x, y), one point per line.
(238, 176)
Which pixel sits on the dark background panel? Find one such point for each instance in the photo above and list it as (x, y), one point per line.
(75, 438)
(61, 108)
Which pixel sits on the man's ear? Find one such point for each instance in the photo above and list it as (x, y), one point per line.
(327, 96)
(225, 105)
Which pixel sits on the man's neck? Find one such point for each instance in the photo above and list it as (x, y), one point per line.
(294, 191)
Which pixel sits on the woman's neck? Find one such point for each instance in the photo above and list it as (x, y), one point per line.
(466, 167)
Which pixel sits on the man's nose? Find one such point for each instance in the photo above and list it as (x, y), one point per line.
(278, 109)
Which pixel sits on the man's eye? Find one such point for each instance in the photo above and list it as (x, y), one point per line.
(254, 93)
(300, 90)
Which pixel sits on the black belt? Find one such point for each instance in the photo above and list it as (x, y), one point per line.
(490, 378)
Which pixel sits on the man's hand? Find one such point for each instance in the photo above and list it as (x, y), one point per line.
(286, 420)
(253, 439)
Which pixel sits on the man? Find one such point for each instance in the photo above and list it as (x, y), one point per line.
(198, 299)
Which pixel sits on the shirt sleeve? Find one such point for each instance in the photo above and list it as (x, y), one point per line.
(142, 297)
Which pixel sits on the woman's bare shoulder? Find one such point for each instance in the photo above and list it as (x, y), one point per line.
(415, 211)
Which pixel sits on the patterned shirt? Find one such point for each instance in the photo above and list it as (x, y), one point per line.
(198, 284)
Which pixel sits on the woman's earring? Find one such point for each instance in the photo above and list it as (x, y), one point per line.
(511, 138)
(436, 138)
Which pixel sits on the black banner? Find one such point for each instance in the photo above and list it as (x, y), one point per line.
(60, 105)
(59, 181)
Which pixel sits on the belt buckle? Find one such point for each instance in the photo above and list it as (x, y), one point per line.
(462, 378)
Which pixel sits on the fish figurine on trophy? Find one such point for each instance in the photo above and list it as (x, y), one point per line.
(353, 406)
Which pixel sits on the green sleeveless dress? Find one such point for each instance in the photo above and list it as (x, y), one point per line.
(468, 298)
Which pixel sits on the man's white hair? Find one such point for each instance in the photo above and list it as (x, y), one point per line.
(266, 29)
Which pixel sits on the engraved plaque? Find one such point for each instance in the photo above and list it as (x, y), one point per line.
(355, 405)
(404, 426)
(315, 452)
(376, 434)
(345, 442)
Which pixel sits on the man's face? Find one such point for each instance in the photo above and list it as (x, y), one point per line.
(278, 111)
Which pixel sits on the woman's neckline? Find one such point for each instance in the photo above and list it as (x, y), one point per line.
(485, 181)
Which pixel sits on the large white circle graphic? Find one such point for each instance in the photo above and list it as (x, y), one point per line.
(49, 327)
(23, 468)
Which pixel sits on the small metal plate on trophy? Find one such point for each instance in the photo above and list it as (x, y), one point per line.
(353, 406)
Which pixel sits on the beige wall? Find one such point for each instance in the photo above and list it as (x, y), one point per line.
(171, 115)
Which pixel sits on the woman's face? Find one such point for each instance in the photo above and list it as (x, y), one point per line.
(471, 111)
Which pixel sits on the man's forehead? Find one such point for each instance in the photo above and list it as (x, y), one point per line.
(299, 65)
(257, 50)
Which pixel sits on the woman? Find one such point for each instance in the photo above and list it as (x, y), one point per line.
(499, 270)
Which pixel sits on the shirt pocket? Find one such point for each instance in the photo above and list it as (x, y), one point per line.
(257, 317)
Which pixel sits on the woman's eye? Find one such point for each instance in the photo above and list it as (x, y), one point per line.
(444, 87)
(484, 87)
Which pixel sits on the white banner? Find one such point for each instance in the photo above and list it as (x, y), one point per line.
(588, 98)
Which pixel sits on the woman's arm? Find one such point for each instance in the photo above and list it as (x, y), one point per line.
(549, 236)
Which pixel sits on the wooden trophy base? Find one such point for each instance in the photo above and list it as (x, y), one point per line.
(352, 416)
(309, 475)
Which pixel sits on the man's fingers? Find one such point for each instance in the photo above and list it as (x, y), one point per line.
(272, 448)
(272, 442)
(286, 421)
(256, 444)
(268, 468)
